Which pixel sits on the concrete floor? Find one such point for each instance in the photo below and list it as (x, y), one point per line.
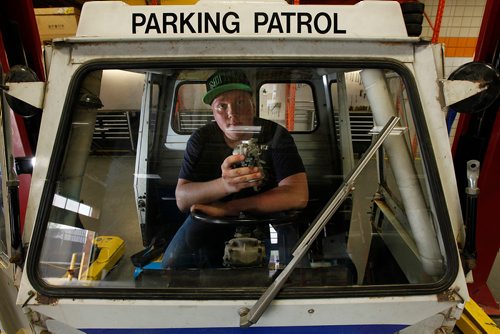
(118, 213)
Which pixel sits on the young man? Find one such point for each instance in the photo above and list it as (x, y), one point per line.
(213, 181)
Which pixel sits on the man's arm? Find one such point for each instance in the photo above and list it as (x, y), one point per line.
(231, 181)
(291, 193)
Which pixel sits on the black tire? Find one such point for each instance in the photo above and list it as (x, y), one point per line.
(412, 7)
(413, 18)
(414, 30)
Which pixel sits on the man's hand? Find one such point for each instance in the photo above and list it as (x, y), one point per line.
(236, 179)
(231, 181)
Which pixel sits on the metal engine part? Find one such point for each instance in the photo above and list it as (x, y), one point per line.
(252, 152)
(244, 252)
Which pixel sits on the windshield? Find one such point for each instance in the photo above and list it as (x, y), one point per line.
(184, 179)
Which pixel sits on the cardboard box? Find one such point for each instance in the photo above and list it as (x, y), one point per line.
(56, 22)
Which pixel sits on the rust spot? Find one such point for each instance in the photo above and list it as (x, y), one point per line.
(449, 295)
(45, 300)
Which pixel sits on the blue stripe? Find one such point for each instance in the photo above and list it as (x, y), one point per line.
(344, 329)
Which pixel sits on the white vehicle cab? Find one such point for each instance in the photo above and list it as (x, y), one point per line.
(373, 251)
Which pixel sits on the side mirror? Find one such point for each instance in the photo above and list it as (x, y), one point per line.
(478, 84)
(21, 95)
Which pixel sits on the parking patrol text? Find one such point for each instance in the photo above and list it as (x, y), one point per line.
(229, 23)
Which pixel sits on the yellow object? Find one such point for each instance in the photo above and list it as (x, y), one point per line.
(135, 2)
(111, 249)
(178, 2)
(160, 2)
(71, 271)
(475, 320)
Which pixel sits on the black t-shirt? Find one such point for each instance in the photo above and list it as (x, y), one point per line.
(206, 150)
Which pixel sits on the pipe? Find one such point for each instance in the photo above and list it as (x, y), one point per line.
(404, 171)
(472, 192)
(437, 23)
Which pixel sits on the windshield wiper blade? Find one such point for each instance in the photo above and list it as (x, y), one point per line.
(248, 317)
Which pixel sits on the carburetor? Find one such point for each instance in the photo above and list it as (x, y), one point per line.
(252, 152)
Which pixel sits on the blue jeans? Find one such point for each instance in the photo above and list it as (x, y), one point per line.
(197, 245)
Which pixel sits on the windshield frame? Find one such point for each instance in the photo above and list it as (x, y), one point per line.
(428, 157)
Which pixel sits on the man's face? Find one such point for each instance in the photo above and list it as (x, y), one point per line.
(233, 108)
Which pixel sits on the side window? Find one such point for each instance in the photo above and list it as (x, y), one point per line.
(288, 104)
(190, 112)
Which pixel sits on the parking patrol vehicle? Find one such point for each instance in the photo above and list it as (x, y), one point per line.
(376, 250)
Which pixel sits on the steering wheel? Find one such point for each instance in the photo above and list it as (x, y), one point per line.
(246, 219)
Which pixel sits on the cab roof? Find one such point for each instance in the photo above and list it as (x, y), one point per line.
(215, 19)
